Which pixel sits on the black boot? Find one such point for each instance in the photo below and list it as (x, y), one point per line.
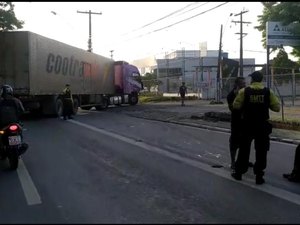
(236, 175)
(293, 177)
(260, 180)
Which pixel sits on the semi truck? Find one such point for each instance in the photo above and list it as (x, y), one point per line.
(38, 68)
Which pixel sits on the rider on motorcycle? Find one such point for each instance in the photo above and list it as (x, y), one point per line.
(11, 108)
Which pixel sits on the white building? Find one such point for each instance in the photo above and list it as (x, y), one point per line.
(199, 73)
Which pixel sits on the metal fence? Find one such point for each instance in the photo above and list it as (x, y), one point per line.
(285, 86)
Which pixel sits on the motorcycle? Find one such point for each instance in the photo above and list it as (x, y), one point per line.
(12, 145)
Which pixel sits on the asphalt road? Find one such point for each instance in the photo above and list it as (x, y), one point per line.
(111, 167)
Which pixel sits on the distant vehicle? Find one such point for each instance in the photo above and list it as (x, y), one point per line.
(38, 68)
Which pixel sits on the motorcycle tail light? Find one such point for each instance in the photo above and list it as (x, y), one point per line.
(13, 127)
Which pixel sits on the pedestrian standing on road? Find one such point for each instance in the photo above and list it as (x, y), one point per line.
(255, 102)
(235, 122)
(182, 91)
(67, 103)
(294, 176)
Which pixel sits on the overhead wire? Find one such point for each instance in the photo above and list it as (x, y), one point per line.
(193, 8)
(164, 17)
(201, 13)
(178, 21)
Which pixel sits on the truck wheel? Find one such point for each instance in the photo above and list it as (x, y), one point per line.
(133, 99)
(103, 106)
(75, 105)
(59, 107)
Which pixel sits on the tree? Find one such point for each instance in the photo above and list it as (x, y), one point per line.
(150, 80)
(8, 20)
(285, 12)
(282, 64)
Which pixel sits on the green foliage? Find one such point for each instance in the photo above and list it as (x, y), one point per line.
(285, 12)
(150, 80)
(283, 65)
(8, 20)
(287, 124)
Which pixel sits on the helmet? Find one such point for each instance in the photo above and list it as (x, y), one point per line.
(6, 90)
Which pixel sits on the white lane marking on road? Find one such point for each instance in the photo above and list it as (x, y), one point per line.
(29, 189)
(277, 192)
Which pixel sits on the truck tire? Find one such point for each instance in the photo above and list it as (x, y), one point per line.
(59, 107)
(75, 105)
(133, 99)
(103, 106)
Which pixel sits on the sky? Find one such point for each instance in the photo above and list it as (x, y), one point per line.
(135, 30)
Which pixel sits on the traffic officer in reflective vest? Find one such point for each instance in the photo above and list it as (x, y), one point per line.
(255, 102)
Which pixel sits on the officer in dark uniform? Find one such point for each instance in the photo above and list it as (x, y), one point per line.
(255, 102)
(67, 103)
(235, 122)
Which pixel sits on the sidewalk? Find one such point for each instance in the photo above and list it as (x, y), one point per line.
(193, 112)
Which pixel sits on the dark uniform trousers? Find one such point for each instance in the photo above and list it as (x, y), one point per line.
(296, 169)
(260, 134)
(235, 136)
(255, 127)
(68, 107)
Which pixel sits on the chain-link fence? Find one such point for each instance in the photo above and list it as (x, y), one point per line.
(285, 86)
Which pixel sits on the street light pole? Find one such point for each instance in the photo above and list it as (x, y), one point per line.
(90, 28)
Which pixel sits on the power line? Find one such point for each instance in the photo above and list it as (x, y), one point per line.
(179, 21)
(193, 8)
(141, 35)
(162, 18)
(191, 17)
(255, 51)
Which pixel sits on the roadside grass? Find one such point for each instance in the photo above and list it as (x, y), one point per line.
(150, 97)
(291, 120)
(288, 123)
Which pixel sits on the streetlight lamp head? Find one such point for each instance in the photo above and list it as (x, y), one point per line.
(54, 13)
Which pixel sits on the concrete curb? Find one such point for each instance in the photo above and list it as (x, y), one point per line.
(221, 129)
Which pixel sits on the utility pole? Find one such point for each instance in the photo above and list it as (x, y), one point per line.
(241, 39)
(167, 59)
(183, 64)
(219, 67)
(90, 28)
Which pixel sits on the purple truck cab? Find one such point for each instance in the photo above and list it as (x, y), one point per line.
(127, 80)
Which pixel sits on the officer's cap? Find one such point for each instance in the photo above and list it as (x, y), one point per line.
(256, 76)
